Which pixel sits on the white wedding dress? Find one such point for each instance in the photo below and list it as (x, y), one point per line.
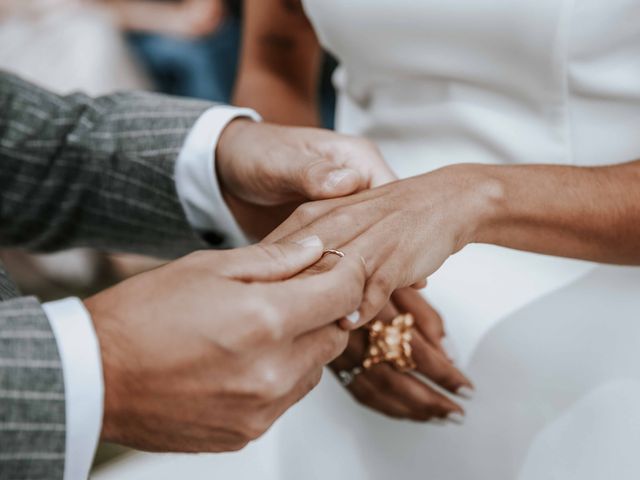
(553, 345)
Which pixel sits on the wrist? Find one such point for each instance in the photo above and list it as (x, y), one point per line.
(483, 202)
(229, 142)
(109, 355)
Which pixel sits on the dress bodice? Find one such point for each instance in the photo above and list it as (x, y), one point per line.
(544, 81)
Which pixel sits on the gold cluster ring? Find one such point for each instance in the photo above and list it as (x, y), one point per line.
(391, 343)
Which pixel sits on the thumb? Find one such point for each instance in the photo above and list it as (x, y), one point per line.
(268, 262)
(326, 179)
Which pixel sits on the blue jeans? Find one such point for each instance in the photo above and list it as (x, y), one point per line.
(202, 68)
(206, 67)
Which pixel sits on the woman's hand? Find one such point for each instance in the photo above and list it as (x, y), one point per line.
(404, 230)
(403, 395)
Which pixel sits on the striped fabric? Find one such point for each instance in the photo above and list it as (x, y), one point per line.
(75, 171)
(32, 416)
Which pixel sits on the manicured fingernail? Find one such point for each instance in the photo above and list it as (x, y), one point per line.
(354, 317)
(456, 417)
(465, 392)
(336, 177)
(449, 348)
(310, 242)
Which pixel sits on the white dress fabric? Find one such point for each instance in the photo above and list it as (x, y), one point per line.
(553, 345)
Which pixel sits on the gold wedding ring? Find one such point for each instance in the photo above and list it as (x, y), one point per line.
(332, 251)
(391, 343)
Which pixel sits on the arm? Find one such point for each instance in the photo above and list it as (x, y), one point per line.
(280, 63)
(586, 213)
(590, 213)
(83, 172)
(55, 377)
(32, 407)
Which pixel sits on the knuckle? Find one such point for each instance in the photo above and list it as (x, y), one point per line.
(354, 292)
(273, 252)
(335, 344)
(269, 383)
(342, 216)
(270, 322)
(310, 381)
(236, 446)
(307, 212)
(256, 425)
(381, 284)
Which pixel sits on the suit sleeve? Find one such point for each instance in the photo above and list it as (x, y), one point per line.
(32, 399)
(77, 171)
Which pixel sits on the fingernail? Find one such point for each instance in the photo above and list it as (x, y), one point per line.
(449, 348)
(310, 242)
(354, 317)
(465, 392)
(456, 417)
(336, 177)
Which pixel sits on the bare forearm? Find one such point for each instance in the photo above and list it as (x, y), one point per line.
(578, 212)
(280, 63)
(277, 100)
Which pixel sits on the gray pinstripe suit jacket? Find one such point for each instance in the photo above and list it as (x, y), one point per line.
(75, 171)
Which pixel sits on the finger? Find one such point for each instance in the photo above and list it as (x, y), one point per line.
(368, 395)
(270, 262)
(317, 349)
(435, 366)
(388, 313)
(326, 179)
(337, 220)
(354, 353)
(420, 400)
(427, 320)
(318, 300)
(420, 284)
(377, 293)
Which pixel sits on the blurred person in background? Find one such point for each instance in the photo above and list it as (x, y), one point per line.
(191, 47)
(67, 45)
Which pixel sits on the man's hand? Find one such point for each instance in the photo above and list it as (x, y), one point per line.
(203, 354)
(266, 171)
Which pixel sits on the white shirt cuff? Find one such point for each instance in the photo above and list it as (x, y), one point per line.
(196, 179)
(83, 383)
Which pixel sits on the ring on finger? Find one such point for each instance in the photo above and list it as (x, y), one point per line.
(391, 343)
(332, 251)
(346, 377)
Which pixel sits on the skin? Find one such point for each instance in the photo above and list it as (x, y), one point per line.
(278, 76)
(265, 171)
(576, 212)
(237, 338)
(280, 63)
(187, 18)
